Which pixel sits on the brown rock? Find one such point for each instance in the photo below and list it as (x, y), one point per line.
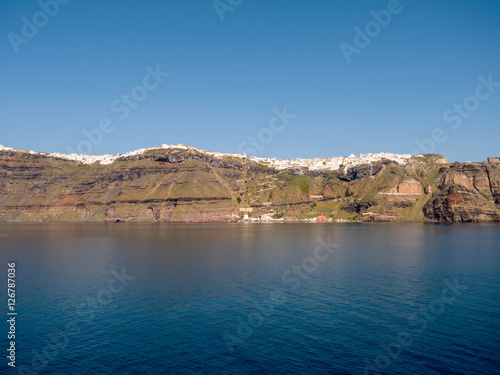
(409, 189)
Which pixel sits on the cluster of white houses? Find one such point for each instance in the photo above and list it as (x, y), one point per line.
(332, 163)
(313, 164)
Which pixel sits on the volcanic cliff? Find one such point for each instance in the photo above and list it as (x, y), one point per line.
(187, 185)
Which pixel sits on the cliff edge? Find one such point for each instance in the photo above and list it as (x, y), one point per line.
(188, 185)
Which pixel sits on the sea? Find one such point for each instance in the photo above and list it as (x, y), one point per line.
(250, 298)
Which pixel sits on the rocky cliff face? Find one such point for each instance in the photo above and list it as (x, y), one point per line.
(466, 192)
(174, 187)
(190, 186)
(407, 190)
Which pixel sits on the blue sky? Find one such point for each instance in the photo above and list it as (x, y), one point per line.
(227, 77)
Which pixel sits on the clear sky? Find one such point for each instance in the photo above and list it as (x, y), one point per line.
(234, 64)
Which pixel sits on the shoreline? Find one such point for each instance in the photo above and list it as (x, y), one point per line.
(250, 222)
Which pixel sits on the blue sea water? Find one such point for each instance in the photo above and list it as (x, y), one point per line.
(131, 298)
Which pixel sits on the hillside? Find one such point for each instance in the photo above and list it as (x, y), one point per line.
(189, 185)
